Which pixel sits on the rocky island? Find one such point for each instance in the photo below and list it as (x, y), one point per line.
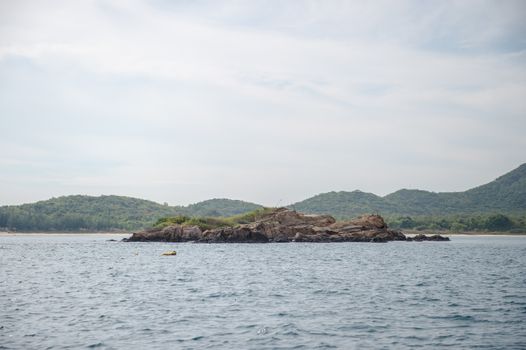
(281, 225)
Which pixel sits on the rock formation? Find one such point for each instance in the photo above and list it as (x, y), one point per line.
(285, 225)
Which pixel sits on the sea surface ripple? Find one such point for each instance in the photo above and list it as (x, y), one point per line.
(83, 292)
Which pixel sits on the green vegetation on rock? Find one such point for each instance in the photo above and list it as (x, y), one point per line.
(206, 223)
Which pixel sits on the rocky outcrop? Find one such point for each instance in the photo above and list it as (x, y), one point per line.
(421, 238)
(284, 225)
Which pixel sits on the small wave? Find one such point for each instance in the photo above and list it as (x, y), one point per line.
(455, 317)
(426, 298)
(415, 337)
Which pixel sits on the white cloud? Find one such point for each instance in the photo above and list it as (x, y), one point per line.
(262, 102)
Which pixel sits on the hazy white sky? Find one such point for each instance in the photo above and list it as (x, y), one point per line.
(265, 101)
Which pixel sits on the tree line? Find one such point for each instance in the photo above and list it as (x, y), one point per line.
(15, 219)
(460, 223)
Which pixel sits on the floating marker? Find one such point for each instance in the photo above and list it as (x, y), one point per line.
(171, 252)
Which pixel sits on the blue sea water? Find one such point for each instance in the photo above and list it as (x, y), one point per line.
(81, 292)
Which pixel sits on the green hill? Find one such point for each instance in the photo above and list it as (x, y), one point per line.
(408, 208)
(343, 204)
(507, 194)
(218, 207)
(106, 213)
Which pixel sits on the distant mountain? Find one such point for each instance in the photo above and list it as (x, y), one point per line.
(89, 213)
(341, 204)
(507, 194)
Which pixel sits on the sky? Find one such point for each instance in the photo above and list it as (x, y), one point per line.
(265, 101)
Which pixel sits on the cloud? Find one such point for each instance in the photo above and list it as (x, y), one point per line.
(183, 101)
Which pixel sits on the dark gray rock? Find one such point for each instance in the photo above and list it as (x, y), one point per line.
(432, 238)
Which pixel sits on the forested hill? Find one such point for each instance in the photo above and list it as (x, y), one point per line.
(507, 194)
(106, 213)
(218, 207)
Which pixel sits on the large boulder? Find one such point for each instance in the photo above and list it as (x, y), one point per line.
(364, 222)
(287, 217)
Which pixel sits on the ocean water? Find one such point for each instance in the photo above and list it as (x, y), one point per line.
(81, 292)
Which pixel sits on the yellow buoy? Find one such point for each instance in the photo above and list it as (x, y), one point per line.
(171, 252)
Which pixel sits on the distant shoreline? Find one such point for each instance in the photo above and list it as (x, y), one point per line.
(478, 234)
(409, 233)
(127, 235)
(9, 234)
(463, 233)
